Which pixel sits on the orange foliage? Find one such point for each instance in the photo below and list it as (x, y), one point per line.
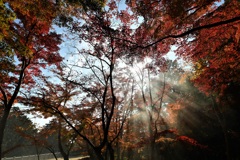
(191, 142)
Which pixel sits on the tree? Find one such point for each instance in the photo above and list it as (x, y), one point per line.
(206, 33)
(26, 36)
(99, 111)
(99, 96)
(152, 122)
(99, 81)
(217, 69)
(14, 143)
(194, 116)
(150, 102)
(165, 21)
(48, 139)
(196, 27)
(217, 57)
(56, 136)
(84, 116)
(27, 46)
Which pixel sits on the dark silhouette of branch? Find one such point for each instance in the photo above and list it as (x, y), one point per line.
(194, 30)
(235, 19)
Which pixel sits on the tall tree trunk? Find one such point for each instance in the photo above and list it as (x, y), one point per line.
(63, 153)
(222, 122)
(151, 131)
(118, 150)
(37, 149)
(98, 154)
(8, 104)
(152, 149)
(110, 151)
(3, 123)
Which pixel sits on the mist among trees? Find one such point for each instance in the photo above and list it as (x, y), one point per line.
(101, 71)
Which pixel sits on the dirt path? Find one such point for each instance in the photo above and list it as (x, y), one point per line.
(75, 158)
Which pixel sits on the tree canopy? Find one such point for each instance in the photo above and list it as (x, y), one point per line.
(115, 91)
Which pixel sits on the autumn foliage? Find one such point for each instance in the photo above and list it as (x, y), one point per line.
(116, 94)
(27, 47)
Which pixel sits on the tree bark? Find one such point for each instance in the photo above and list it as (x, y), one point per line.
(110, 150)
(3, 123)
(222, 122)
(53, 152)
(98, 154)
(63, 153)
(8, 104)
